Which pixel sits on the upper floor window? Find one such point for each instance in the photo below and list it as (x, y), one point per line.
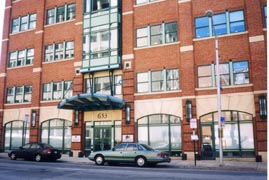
(19, 94)
(102, 85)
(232, 73)
(57, 90)
(21, 58)
(157, 34)
(144, 1)
(99, 5)
(223, 23)
(61, 13)
(156, 81)
(23, 23)
(58, 51)
(265, 15)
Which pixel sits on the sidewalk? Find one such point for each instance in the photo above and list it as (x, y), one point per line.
(176, 162)
(202, 164)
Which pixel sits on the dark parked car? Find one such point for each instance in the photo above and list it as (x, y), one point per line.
(139, 154)
(36, 151)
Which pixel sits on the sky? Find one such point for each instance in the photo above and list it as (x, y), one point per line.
(2, 8)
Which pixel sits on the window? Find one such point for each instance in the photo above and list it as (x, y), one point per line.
(172, 79)
(161, 132)
(61, 14)
(57, 90)
(142, 82)
(223, 23)
(232, 73)
(241, 72)
(102, 85)
(59, 51)
(21, 58)
(265, 15)
(163, 80)
(23, 23)
(157, 34)
(19, 94)
(237, 134)
(157, 81)
(142, 37)
(171, 32)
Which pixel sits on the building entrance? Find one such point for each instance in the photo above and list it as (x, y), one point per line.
(208, 142)
(102, 138)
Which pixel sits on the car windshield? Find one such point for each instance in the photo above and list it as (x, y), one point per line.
(147, 147)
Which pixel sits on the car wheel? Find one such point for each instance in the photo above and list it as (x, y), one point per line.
(13, 156)
(38, 158)
(140, 161)
(99, 160)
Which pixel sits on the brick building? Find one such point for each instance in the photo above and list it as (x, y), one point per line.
(83, 75)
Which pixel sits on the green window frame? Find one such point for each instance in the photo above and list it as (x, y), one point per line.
(223, 23)
(102, 85)
(16, 134)
(161, 131)
(59, 51)
(231, 73)
(157, 81)
(238, 132)
(23, 23)
(59, 14)
(21, 58)
(57, 132)
(157, 34)
(19, 94)
(57, 90)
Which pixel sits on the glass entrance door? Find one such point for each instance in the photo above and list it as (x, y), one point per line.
(102, 138)
(208, 151)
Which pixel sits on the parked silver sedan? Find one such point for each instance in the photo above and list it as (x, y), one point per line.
(139, 154)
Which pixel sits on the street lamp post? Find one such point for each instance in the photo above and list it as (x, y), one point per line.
(210, 14)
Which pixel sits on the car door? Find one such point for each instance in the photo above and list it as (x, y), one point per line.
(116, 154)
(130, 152)
(22, 152)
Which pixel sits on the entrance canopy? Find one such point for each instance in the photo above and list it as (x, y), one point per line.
(91, 102)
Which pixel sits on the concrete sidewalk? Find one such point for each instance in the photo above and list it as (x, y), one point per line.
(204, 164)
(176, 162)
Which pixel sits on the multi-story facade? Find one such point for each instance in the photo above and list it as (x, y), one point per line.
(83, 75)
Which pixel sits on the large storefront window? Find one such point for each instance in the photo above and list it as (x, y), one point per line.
(16, 134)
(101, 135)
(161, 132)
(57, 133)
(238, 136)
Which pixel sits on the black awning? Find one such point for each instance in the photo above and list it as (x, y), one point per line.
(91, 102)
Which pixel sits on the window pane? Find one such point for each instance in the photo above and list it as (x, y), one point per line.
(19, 95)
(241, 72)
(118, 84)
(159, 137)
(205, 76)
(60, 14)
(202, 27)
(50, 16)
(220, 26)
(49, 53)
(32, 23)
(246, 136)
(69, 51)
(171, 32)
(176, 137)
(12, 59)
(71, 11)
(143, 135)
(142, 82)
(59, 51)
(57, 90)
(15, 25)
(102, 85)
(30, 56)
(230, 139)
(24, 21)
(156, 34)
(237, 23)
(172, 79)
(142, 37)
